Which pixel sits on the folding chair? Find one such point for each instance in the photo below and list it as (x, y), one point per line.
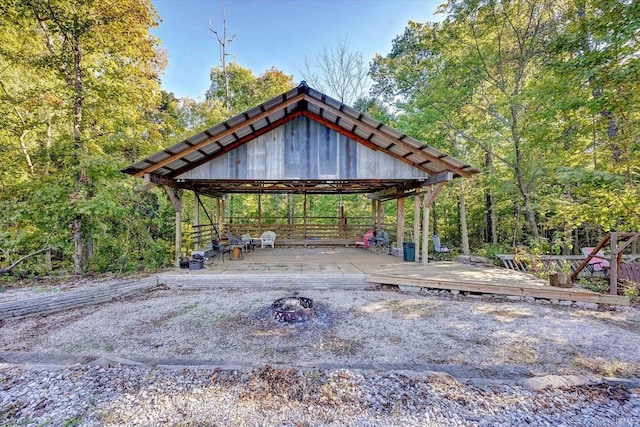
(438, 248)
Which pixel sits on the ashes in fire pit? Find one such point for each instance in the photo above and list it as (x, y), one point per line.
(292, 309)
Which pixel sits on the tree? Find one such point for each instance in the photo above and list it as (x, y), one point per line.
(97, 67)
(245, 89)
(472, 75)
(342, 73)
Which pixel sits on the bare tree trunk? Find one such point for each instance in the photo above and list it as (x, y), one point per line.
(464, 232)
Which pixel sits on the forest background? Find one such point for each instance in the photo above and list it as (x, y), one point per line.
(543, 96)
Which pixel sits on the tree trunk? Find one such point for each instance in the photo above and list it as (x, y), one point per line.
(76, 232)
(464, 232)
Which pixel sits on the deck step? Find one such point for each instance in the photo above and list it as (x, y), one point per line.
(272, 280)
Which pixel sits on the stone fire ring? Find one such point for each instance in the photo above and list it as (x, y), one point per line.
(292, 309)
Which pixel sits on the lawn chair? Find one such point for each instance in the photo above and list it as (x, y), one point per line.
(268, 238)
(219, 249)
(438, 248)
(380, 242)
(597, 264)
(234, 240)
(365, 241)
(248, 242)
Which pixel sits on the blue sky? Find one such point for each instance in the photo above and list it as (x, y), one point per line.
(275, 33)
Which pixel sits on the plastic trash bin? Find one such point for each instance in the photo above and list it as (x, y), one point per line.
(409, 251)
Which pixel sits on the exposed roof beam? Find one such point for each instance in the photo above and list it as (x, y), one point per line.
(235, 144)
(219, 136)
(399, 142)
(355, 137)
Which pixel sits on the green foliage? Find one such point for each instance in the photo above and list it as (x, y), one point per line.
(543, 96)
(246, 90)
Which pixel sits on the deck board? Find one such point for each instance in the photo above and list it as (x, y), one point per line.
(525, 290)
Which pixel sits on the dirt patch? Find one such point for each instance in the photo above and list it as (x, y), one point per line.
(348, 327)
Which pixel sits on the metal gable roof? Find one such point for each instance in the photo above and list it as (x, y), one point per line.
(302, 100)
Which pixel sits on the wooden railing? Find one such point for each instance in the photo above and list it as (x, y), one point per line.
(549, 263)
(297, 232)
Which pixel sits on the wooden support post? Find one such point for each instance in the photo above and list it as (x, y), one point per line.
(259, 213)
(613, 265)
(416, 226)
(380, 215)
(304, 217)
(400, 222)
(426, 210)
(196, 221)
(175, 195)
(374, 222)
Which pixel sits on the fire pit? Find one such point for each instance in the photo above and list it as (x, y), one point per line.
(292, 309)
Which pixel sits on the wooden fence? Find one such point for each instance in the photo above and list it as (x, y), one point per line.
(313, 230)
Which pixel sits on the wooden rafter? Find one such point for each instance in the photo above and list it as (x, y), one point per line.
(376, 131)
(333, 126)
(226, 148)
(219, 136)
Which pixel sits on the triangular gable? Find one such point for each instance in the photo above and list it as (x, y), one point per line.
(217, 153)
(303, 149)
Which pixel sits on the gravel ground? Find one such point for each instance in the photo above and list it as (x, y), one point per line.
(364, 359)
(139, 396)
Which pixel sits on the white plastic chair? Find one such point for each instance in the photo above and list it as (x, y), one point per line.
(268, 238)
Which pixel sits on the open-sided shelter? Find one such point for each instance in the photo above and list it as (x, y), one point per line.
(304, 142)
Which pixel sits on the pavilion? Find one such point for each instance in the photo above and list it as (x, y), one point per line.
(304, 142)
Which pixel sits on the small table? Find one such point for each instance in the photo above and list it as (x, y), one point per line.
(236, 252)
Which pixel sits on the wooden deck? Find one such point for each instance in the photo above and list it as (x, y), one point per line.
(348, 266)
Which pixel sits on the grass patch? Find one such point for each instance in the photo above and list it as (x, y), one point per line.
(607, 368)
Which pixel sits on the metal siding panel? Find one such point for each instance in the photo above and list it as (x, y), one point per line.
(351, 159)
(291, 152)
(302, 136)
(275, 153)
(314, 147)
(328, 154)
(237, 163)
(386, 165)
(256, 159)
(366, 163)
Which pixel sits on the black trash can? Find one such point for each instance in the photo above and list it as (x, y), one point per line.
(409, 251)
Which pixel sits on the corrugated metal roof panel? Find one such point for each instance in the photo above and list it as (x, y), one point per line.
(211, 148)
(412, 141)
(396, 149)
(369, 121)
(255, 111)
(379, 141)
(277, 115)
(333, 103)
(242, 132)
(330, 109)
(273, 102)
(362, 133)
(192, 157)
(236, 120)
(227, 140)
(391, 132)
(158, 157)
(314, 108)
